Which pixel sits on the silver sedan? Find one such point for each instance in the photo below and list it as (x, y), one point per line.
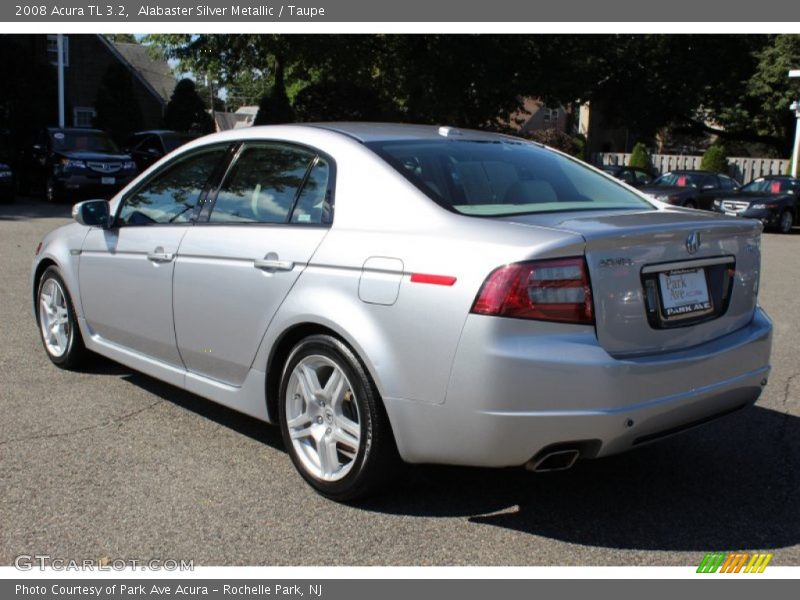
(434, 295)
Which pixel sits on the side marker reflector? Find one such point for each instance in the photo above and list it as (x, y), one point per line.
(432, 279)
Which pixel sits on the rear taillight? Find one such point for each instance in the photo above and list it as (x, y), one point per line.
(547, 290)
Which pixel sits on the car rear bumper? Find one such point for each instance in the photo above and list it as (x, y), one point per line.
(518, 387)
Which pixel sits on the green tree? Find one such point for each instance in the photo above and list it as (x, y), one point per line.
(715, 160)
(186, 111)
(127, 38)
(116, 108)
(275, 107)
(338, 101)
(640, 157)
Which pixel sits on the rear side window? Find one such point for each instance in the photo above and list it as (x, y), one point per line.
(314, 203)
(262, 185)
(497, 178)
(172, 195)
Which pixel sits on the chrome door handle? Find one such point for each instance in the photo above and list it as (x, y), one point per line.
(159, 256)
(273, 264)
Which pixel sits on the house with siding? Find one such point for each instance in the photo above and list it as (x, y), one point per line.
(87, 57)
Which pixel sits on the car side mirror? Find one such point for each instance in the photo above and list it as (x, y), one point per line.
(92, 213)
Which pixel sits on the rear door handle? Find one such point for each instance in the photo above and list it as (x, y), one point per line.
(159, 256)
(272, 263)
(269, 264)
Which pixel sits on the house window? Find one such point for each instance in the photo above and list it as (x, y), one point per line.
(52, 50)
(83, 116)
(550, 115)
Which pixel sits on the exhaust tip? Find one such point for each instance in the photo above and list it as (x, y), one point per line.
(558, 460)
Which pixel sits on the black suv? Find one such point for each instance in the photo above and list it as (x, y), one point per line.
(75, 163)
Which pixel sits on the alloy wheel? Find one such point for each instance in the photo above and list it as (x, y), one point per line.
(322, 418)
(54, 318)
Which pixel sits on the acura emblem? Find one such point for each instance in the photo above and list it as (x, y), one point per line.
(693, 242)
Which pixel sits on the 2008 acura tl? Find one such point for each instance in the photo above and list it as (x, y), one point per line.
(446, 295)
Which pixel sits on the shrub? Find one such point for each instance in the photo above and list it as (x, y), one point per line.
(186, 110)
(714, 160)
(640, 158)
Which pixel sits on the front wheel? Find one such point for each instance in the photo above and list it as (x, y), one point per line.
(333, 423)
(786, 222)
(58, 326)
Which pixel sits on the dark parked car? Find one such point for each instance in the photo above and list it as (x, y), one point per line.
(146, 147)
(6, 183)
(75, 163)
(691, 189)
(772, 200)
(634, 176)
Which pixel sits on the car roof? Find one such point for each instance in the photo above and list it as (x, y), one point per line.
(78, 129)
(163, 132)
(694, 172)
(374, 132)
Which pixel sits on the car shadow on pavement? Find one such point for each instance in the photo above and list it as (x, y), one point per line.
(227, 417)
(25, 208)
(733, 484)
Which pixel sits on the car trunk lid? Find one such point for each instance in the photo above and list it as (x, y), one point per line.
(664, 280)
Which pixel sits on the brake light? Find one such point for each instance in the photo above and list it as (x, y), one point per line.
(546, 290)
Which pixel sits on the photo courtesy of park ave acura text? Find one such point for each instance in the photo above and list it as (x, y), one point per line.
(399, 299)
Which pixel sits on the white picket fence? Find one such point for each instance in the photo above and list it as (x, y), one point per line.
(741, 168)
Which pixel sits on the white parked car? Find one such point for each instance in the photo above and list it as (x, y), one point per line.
(442, 295)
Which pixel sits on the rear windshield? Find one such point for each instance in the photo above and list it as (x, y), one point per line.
(89, 141)
(498, 178)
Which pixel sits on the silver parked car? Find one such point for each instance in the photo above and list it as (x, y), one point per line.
(441, 295)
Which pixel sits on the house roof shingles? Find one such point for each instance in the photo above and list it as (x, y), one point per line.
(156, 73)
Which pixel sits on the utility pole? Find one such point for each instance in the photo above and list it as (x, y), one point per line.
(795, 169)
(60, 49)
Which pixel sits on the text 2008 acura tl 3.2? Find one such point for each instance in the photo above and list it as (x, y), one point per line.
(443, 295)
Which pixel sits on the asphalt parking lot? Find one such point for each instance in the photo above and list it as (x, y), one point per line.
(111, 463)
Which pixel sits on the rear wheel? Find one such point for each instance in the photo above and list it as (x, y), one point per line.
(689, 204)
(786, 222)
(58, 326)
(333, 423)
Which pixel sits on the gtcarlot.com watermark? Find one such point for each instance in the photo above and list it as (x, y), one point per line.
(29, 562)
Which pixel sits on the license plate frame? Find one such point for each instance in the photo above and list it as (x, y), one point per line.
(684, 294)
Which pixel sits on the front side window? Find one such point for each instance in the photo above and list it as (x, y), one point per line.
(262, 184)
(726, 183)
(506, 177)
(172, 195)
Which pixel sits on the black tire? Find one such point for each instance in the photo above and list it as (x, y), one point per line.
(75, 351)
(376, 455)
(689, 204)
(786, 222)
